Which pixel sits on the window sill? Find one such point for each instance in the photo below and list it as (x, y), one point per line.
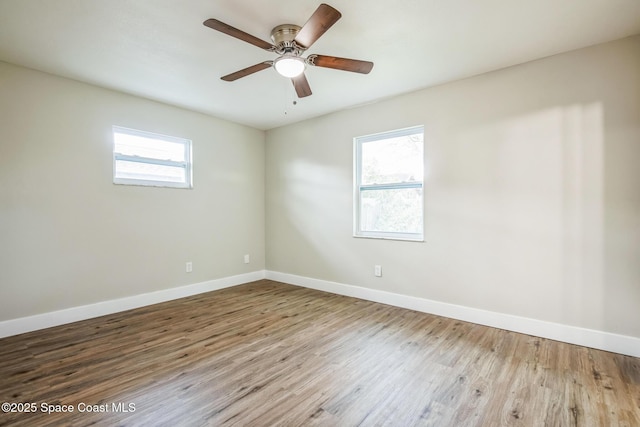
(398, 238)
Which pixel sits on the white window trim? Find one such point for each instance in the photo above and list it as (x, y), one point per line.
(359, 187)
(187, 164)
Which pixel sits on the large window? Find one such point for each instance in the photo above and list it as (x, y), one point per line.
(389, 170)
(145, 158)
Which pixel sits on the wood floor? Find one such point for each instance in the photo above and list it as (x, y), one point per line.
(270, 354)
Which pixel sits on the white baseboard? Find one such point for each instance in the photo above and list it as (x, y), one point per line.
(570, 334)
(74, 314)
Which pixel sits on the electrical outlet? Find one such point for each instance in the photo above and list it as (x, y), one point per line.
(377, 270)
(247, 259)
(189, 267)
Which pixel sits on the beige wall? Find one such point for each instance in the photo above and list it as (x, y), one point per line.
(532, 192)
(69, 236)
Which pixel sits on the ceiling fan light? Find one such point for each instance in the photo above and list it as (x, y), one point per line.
(289, 66)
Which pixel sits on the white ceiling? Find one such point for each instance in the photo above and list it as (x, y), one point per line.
(160, 50)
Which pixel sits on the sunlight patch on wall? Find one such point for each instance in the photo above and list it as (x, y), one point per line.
(520, 202)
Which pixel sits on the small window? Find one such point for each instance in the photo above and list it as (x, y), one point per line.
(389, 170)
(145, 158)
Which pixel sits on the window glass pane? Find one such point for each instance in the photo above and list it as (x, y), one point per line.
(137, 145)
(394, 211)
(147, 171)
(145, 158)
(397, 159)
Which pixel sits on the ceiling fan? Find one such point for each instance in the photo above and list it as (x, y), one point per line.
(290, 42)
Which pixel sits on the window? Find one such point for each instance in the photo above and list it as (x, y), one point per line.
(145, 158)
(388, 185)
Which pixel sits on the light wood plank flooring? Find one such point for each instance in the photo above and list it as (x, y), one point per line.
(270, 354)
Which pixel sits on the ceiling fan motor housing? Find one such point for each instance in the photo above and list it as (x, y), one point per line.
(283, 38)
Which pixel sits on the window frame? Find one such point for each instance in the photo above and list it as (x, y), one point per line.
(358, 187)
(187, 164)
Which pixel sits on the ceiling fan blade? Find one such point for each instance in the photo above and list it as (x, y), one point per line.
(247, 71)
(345, 64)
(321, 20)
(302, 86)
(239, 34)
